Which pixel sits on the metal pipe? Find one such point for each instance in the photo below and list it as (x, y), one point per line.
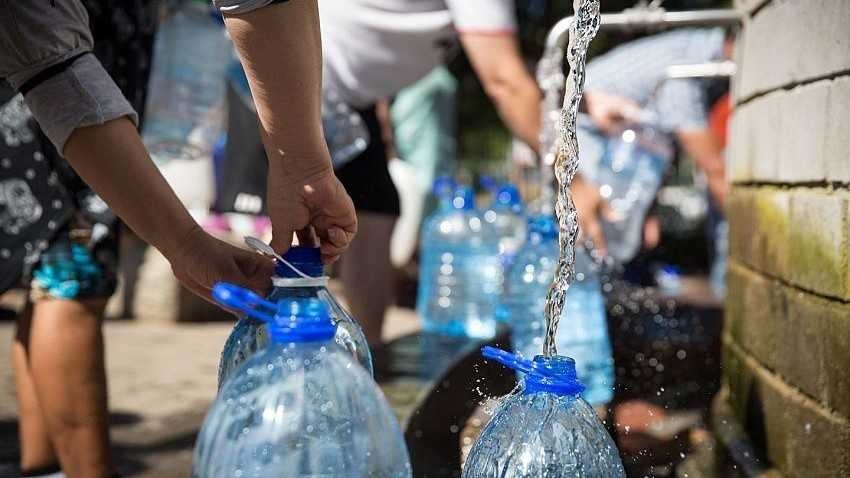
(722, 69)
(643, 18)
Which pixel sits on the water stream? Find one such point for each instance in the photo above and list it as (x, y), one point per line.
(583, 29)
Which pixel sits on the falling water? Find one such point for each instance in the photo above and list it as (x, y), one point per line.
(584, 28)
(550, 77)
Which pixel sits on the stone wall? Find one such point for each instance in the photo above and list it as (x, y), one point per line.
(787, 333)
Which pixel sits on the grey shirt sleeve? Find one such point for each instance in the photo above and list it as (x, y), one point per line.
(36, 35)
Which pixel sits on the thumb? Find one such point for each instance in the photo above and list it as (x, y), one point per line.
(253, 271)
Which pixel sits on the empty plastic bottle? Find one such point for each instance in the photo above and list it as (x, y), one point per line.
(248, 336)
(461, 276)
(506, 214)
(583, 330)
(302, 406)
(629, 175)
(184, 113)
(544, 429)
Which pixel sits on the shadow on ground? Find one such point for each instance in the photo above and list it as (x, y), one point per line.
(140, 450)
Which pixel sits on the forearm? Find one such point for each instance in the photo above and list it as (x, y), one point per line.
(707, 154)
(281, 51)
(498, 64)
(518, 104)
(111, 158)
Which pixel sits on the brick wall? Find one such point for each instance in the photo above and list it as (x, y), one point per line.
(787, 335)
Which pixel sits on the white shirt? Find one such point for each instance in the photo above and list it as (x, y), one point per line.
(374, 48)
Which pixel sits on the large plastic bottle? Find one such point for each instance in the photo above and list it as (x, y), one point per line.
(184, 114)
(461, 276)
(248, 336)
(544, 429)
(629, 175)
(583, 329)
(302, 406)
(506, 214)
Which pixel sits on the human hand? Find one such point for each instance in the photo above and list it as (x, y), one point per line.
(310, 202)
(610, 112)
(202, 260)
(591, 208)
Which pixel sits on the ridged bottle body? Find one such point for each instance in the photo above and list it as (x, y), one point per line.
(301, 409)
(630, 173)
(184, 114)
(543, 435)
(460, 278)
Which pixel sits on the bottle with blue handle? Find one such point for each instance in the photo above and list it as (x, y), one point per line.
(629, 176)
(461, 276)
(506, 214)
(302, 406)
(544, 429)
(583, 329)
(302, 277)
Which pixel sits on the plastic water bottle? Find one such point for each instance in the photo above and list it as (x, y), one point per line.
(249, 334)
(461, 276)
(629, 175)
(583, 330)
(302, 406)
(184, 114)
(544, 429)
(506, 214)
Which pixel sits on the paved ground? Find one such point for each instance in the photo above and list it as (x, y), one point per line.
(162, 378)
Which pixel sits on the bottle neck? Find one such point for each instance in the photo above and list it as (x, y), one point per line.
(299, 282)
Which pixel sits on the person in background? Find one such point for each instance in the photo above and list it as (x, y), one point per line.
(422, 118)
(60, 243)
(372, 51)
(46, 55)
(629, 79)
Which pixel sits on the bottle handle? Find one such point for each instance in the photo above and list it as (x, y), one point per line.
(233, 297)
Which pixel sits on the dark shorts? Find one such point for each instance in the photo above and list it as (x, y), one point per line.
(77, 264)
(242, 171)
(367, 177)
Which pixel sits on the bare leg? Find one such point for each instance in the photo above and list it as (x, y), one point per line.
(36, 449)
(67, 369)
(367, 273)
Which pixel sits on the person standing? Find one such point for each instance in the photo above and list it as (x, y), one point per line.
(46, 55)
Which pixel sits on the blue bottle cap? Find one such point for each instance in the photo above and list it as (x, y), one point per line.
(464, 198)
(488, 182)
(443, 186)
(301, 320)
(544, 226)
(555, 375)
(306, 259)
(508, 195)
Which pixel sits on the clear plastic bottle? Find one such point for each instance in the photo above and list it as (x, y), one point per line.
(299, 407)
(506, 214)
(184, 114)
(461, 276)
(249, 334)
(583, 330)
(630, 173)
(544, 429)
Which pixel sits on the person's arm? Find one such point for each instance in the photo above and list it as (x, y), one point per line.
(497, 62)
(702, 146)
(87, 118)
(610, 112)
(280, 47)
(111, 158)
